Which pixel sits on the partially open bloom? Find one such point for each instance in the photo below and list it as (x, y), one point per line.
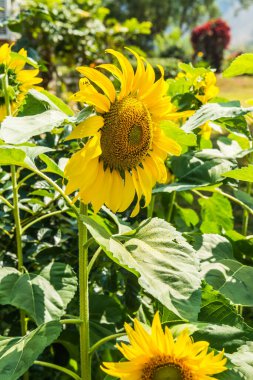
(20, 81)
(157, 356)
(203, 87)
(125, 153)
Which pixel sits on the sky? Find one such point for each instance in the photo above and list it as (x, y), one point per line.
(241, 24)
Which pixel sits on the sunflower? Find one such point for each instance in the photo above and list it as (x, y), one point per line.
(125, 153)
(203, 87)
(157, 356)
(19, 80)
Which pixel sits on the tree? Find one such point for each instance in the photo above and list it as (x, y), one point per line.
(184, 14)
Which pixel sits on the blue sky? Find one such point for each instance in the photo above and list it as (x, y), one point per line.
(241, 23)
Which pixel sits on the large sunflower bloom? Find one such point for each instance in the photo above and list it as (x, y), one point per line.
(157, 356)
(19, 80)
(124, 156)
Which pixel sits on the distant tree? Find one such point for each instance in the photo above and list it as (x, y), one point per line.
(211, 39)
(184, 14)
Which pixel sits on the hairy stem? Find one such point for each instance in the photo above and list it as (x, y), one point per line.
(84, 297)
(245, 221)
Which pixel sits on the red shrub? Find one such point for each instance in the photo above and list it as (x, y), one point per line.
(211, 38)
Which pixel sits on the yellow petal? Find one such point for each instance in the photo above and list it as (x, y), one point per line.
(128, 192)
(127, 70)
(97, 100)
(100, 80)
(88, 127)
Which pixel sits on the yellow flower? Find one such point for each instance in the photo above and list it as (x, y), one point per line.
(157, 356)
(207, 88)
(19, 80)
(124, 156)
(204, 88)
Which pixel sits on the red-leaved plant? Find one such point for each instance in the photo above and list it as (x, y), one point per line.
(211, 39)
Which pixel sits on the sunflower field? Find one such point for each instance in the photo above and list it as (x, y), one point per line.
(126, 229)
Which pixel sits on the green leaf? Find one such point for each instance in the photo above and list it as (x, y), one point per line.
(215, 308)
(240, 65)
(243, 359)
(232, 279)
(172, 131)
(17, 130)
(214, 111)
(62, 277)
(243, 174)
(22, 155)
(212, 247)
(222, 336)
(53, 102)
(162, 259)
(12, 156)
(216, 213)
(244, 197)
(32, 293)
(51, 166)
(199, 169)
(18, 354)
(28, 60)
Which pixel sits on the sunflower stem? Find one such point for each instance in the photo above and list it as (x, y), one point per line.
(171, 206)
(15, 208)
(151, 207)
(245, 221)
(85, 363)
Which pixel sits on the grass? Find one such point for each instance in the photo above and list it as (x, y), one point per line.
(238, 88)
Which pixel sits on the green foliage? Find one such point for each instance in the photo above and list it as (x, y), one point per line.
(241, 65)
(242, 174)
(23, 351)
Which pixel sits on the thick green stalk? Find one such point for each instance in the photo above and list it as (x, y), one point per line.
(151, 207)
(16, 214)
(245, 221)
(84, 298)
(171, 206)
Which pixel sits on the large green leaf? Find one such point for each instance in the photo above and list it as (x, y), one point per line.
(212, 247)
(17, 130)
(164, 262)
(217, 214)
(214, 111)
(22, 155)
(52, 101)
(232, 279)
(201, 168)
(18, 354)
(219, 269)
(219, 336)
(34, 294)
(174, 132)
(215, 308)
(51, 166)
(62, 277)
(241, 65)
(243, 359)
(243, 174)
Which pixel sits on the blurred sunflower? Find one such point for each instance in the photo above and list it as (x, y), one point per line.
(125, 155)
(156, 356)
(19, 80)
(203, 87)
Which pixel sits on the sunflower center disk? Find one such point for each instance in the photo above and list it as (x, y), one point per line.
(127, 134)
(168, 372)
